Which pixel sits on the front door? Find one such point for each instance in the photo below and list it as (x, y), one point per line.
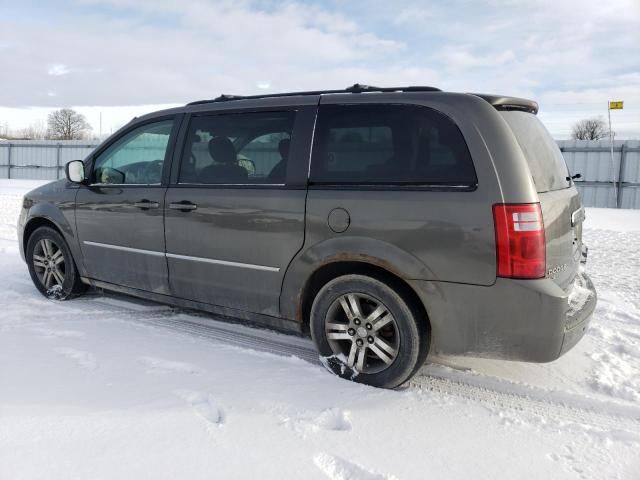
(119, 215)
(235, 214)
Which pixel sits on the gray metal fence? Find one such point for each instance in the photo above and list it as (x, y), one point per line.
(604, 183)
(40, 159)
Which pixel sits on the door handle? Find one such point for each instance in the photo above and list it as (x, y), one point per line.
(183, 206)
(146, 204)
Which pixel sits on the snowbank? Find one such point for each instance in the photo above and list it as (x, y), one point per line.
(614, 219)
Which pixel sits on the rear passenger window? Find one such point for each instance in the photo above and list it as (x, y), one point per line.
(389, 144)
(237, 148)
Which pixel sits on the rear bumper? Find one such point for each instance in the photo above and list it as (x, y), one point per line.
(524, 320)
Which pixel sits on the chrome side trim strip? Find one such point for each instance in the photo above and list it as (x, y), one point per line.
(124, 249)
(224, 262)
(184, 257)
(232, 184)
(124, 184)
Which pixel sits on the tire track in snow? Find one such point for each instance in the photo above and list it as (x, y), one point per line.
(540, 406)
(494, 393)
(489, 391)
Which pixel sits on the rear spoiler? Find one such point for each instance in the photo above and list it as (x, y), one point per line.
(510, 103)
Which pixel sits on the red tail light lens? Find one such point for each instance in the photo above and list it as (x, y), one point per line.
(520, 243)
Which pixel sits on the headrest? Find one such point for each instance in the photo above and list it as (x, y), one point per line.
(222, 150)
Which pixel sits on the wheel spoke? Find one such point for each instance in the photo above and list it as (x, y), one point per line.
(40, 258)
(385, 346)
(352, 354)
(57, 257)
(47, 247)
(382, 355)
(382, 321)
(46, 278)
(338, 327)
(346, 308)
(338, 336)
(59, 278)
(355, 305)
(38, 263)
(361, 358)
(388, 349)
(377, 313)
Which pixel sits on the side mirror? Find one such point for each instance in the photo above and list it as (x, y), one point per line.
(75, 171)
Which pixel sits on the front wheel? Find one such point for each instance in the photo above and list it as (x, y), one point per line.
(366, 332)
(51, 265)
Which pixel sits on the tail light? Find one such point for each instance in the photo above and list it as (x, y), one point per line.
(520, 243)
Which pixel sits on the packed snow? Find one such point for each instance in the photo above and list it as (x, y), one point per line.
(108, 387)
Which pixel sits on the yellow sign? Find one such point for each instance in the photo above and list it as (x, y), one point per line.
(616, 105)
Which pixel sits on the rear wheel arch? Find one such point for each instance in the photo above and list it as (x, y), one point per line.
(332, 270)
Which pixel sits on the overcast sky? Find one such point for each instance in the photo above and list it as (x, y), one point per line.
(127, 57)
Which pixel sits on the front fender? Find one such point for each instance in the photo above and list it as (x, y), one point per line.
(345, 249)
(56, 206)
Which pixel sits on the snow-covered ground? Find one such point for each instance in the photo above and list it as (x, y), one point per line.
(105, 387)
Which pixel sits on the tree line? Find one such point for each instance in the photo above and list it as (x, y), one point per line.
(62, 124)
(67, 124)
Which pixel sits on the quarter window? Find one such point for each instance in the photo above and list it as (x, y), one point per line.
(237, 148)
(136, 158)
(389, 144)
(547, 165)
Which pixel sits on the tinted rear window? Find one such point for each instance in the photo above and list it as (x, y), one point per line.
(237, 148)
(546, 163)
(389, 144)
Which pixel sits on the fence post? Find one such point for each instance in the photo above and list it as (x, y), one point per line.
(623, 155)
(9, 161)
(58, 161)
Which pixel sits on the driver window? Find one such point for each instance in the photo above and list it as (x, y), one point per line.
(136, 158)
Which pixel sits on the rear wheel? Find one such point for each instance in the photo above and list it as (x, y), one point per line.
(367, 332)
(51, 265)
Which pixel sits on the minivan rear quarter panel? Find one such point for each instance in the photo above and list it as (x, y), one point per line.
(448, 231)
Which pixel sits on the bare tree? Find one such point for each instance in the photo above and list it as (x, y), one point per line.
(67, 124)
(35, 131)
(590, 129)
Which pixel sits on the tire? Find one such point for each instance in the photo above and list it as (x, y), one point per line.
(51, 265)
(380, 341)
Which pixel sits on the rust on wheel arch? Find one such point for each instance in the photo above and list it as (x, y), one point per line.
(344, 257)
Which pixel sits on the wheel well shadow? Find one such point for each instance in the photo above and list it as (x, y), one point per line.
(32, 226)
(332, 270)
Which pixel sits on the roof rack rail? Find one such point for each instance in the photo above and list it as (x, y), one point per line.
(356, 88)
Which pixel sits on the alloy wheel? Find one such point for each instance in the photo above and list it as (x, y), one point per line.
(49, 264)
(363, 330)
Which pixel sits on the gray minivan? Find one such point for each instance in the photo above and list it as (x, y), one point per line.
(384, 222)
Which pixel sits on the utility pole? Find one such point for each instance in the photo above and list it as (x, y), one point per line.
(616, 105)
